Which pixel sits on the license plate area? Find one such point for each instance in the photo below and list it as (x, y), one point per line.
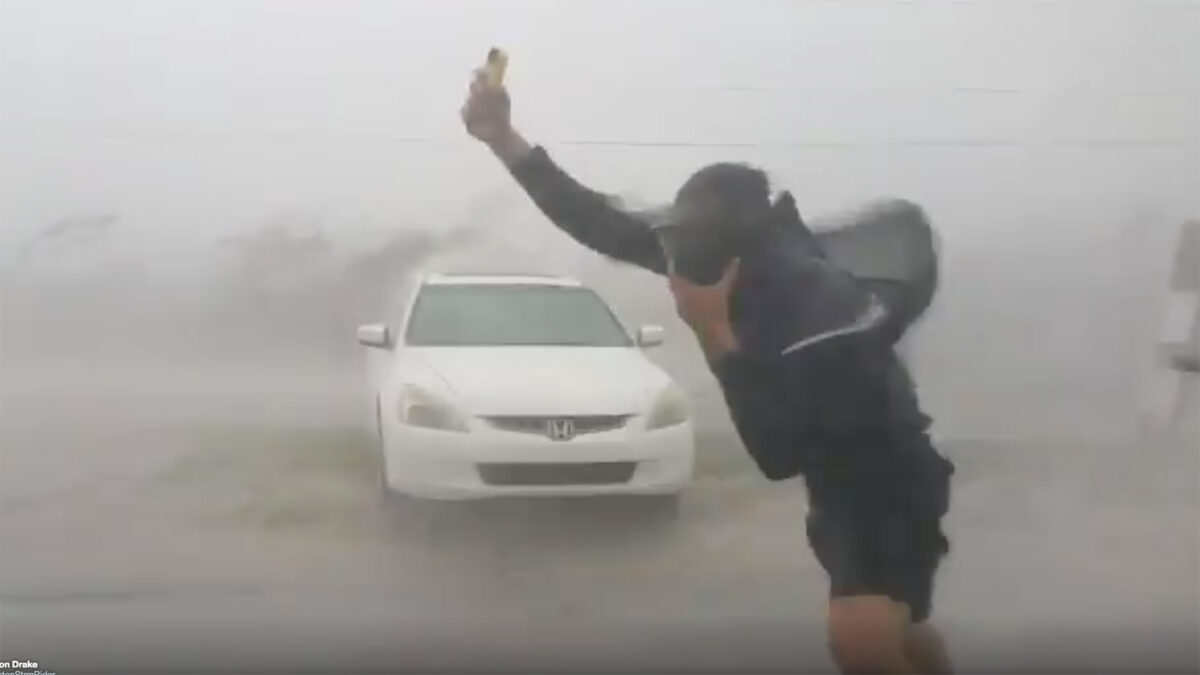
(561, 474)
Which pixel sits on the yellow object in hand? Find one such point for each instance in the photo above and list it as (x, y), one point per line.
(497, 63)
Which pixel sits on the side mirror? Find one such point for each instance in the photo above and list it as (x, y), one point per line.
(650, 336)
(374, 335)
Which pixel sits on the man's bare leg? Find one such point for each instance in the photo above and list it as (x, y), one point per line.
(926, 650)
(867, 634)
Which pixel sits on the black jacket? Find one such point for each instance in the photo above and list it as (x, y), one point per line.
(816, 386)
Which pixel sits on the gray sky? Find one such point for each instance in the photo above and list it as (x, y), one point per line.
(192, 119)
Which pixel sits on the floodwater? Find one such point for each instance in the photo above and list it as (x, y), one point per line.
(227, 520)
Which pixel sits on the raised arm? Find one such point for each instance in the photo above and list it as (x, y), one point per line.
(591, 218)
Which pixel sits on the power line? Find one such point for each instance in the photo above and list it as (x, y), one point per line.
(912, 143)
(950, 143)
(625, 88)
(1157, 4)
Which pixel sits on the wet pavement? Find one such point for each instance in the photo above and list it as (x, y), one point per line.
(216, 524)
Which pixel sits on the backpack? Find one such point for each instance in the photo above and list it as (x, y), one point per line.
(892, 249)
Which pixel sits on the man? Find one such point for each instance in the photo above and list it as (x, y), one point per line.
(804, 353)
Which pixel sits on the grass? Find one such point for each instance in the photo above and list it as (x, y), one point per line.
(279, 479)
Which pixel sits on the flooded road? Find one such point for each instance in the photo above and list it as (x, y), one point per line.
(221, 523)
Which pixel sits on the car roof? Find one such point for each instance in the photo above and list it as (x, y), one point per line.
(501, 279)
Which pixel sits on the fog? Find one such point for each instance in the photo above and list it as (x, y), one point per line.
(199, 202)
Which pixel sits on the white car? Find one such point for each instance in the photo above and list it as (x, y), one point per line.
(505, 385)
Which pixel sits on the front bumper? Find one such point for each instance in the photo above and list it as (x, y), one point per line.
(487, 463)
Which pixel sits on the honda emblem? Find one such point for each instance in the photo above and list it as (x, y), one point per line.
(560, 430)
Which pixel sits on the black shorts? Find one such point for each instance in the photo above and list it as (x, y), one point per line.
(882, 538)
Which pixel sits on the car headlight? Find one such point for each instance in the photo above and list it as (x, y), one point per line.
(420, 408)
(670, 409)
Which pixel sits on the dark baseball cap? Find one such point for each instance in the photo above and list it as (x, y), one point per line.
(730, 193)
(702, 230)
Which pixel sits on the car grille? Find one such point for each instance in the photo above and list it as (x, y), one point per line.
(596, 473)
(536, 424)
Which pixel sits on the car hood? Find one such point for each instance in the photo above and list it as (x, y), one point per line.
(547, 380)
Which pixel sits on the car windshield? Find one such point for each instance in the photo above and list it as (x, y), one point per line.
(478, 315)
